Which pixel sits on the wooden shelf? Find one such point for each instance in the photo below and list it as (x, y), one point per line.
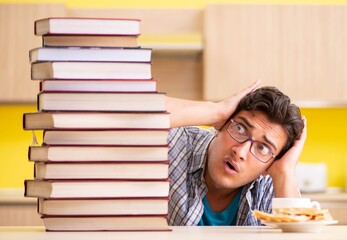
(321, 104)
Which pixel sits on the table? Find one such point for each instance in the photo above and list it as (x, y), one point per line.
(335, 232)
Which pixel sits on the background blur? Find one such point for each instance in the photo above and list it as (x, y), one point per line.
(327, 129)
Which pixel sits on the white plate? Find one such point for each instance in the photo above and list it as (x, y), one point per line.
(309, 226)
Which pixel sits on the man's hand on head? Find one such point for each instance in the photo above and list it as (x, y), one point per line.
(226, 107)
(282, 170)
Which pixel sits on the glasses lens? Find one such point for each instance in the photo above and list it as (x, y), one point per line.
(261, 151)
(237, 132)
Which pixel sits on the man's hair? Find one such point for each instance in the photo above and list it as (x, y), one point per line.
(278, 108)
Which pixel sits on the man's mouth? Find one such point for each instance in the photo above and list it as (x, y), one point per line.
(230, 166)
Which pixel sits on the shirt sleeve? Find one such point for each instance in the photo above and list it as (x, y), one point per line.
(187, 149)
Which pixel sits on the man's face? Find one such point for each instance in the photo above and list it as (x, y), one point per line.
(230, 164)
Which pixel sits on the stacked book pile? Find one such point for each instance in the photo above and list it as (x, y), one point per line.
(102, 164)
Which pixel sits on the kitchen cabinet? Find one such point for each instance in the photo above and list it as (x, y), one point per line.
(16, 210)
(175, 37)
(16, 39)
(300, 49)
(177, 65)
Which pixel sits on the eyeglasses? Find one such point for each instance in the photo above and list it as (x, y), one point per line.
(240, 134)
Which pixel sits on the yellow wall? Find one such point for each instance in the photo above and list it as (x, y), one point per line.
(14, 144)
(326, 143)
(326, 127)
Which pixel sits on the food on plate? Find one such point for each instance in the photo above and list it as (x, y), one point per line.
(294, 215)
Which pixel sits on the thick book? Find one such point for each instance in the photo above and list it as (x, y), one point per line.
(109, 170)
(90, 70)
(129, 206)
(99, 101)
(106, 137)
(89, 41)
(82, 85)
(98, 153)
(95, 120)
(106, 223)
(66, 189)
(87, 26)
(90, 54)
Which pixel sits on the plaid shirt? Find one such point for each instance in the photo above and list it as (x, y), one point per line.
(188, 154)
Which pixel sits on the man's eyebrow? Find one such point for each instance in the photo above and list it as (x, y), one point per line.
(245, 120)
(271, 143)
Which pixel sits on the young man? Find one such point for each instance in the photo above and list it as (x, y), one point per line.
(219, 176)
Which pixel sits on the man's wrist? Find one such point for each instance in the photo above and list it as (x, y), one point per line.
(285, 185)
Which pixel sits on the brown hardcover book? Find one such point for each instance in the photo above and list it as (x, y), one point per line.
(87, 26)
(73, 207)
(90, 70)
(82, 85)
(95, 120)
(89, 41)
(148, 137)
(109, 170)
(106, 223)
(99, 101)
(98, 153)
(67, 189)
(90, 54)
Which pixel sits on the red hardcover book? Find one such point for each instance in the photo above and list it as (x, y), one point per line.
(96, 120)
(101, 170)
(124, 137)
(82, 85)
(90, 54)
(66, 153)
(99, 101)
(87, 26)
(106, 223)
(89, 41)
(90, 70)
(116, 206)
(81, 189)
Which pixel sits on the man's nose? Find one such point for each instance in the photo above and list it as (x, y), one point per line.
(241, 150)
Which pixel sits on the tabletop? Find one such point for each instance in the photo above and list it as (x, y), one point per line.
(335, 232)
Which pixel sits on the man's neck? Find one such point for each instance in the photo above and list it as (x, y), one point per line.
(220, 201)
(219, 198)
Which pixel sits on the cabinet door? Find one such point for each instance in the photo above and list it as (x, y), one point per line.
(16, 39)
(300, 49)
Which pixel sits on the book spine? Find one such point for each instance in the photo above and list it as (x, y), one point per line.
(38, 102)
(24, 121)
(35, 26)
(25, 187)
(29, 153)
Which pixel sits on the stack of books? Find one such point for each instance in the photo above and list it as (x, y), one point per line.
(103, 162)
